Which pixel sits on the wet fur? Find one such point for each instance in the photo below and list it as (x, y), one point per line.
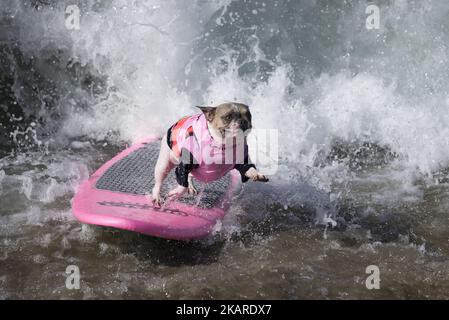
(228, 117)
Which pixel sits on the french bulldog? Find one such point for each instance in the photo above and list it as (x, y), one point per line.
(192, 139)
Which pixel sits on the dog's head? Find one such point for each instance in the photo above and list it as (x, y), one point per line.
(229, 118)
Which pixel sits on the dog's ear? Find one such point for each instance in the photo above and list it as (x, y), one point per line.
(209, 112)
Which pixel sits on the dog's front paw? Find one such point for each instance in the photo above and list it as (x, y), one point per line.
(260, 177)
(156, 197)
(254, 175)
(157, 200)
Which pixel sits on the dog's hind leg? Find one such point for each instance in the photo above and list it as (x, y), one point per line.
(191, 188)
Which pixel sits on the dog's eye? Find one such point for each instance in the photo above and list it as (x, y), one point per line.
(228, 117)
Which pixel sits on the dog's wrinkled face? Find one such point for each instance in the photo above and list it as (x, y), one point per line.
(229, 118)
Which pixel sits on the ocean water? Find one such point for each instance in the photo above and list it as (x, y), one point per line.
(363, 155)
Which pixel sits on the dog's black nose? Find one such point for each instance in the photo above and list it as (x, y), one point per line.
(244, 124)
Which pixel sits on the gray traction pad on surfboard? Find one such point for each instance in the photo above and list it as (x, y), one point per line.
(135, 173)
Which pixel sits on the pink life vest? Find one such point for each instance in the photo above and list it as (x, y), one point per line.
(214, 160)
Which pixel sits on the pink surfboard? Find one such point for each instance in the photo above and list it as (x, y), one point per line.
(115, 196)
